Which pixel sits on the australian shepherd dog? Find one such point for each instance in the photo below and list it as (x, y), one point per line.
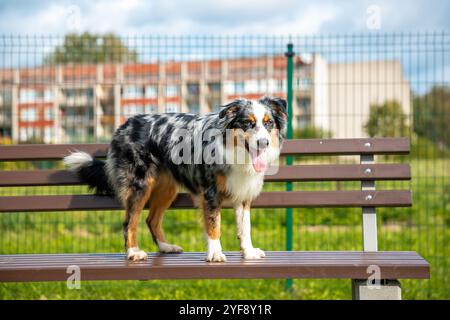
(219, 158)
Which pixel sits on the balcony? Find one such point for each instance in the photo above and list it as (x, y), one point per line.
(77, 101)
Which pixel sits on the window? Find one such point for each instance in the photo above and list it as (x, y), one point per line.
(229, 87)
(89, 93)
(302, 122)
(251, 86)
(28, 114)
(194, 108)
(70, 93)
(171, 91)
(239, 88)
(193, 88)
(48, 134)
(6, 97)
(172, 107)
(263, 86)
(30, 133)
(304, 104)
(132, 92)
(271, 86)
(23, 134)
(281, 86)
(27, 95)
(303, 83)
(215, 87)
(132, 109)
(149, 108)
(151, 92)
(216, 107)
(48, 114)
(48, 95)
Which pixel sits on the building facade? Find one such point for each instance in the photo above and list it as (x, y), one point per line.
(85, 103)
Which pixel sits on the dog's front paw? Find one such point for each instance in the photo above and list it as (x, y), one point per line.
(135, 254)
(216, 256)
(253, 253)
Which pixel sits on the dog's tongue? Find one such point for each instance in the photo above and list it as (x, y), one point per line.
(259, 161)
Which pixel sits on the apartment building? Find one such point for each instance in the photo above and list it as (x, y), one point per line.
(74, 103)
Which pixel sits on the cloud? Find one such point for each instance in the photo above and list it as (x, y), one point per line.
(219, 16)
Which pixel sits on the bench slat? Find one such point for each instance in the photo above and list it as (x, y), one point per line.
(291, 147)
(294, 173)
(191, 265)
(296, 199)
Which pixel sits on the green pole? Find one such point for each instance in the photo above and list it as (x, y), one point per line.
(290, 73)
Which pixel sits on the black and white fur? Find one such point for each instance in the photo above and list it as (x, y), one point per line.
(139, 168)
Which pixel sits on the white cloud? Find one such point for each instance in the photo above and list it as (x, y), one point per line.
(219, 16)
(201, 16)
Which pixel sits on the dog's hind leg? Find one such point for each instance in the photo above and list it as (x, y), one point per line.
(134, 200)
(163, 194)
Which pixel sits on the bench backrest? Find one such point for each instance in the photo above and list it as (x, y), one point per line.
(367, 172)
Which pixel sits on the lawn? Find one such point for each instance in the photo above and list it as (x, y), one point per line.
(423, 228)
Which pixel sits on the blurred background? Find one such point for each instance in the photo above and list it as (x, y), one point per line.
(72, 72)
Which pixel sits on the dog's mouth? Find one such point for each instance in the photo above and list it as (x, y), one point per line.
(259, 158)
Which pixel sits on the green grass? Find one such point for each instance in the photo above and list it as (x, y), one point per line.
(423, 228)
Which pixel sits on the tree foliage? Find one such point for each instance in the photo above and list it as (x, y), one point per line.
(311, 132)
(386, 120)
(432, 115)
(91, 48)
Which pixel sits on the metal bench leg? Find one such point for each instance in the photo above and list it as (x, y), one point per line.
(387, 290)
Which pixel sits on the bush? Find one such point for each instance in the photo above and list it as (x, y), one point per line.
(432, 115)
(311, 133)
(386, 120)
(423, 148)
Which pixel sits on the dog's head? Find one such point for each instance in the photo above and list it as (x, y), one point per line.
(257, 126)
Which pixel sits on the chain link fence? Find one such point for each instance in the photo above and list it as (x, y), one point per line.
(79, 88)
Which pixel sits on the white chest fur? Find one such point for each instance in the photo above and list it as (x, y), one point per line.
(243, 184)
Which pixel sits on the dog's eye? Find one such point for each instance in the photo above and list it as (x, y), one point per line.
(248, 123)
(269, 123)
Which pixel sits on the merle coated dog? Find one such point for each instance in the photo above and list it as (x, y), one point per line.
(151, 156)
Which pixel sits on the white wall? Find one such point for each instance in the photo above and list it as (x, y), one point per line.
(319, 99)
(354, 87)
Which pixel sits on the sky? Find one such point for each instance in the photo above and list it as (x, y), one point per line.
(231, 17)
(222, 16)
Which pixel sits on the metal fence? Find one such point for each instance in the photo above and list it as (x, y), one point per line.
(79, 88)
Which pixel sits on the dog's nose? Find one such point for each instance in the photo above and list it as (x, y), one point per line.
(263, 143)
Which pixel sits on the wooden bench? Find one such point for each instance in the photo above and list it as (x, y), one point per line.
(358, 266)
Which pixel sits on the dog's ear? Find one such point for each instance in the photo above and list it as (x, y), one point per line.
(231, 109)
(279, 110)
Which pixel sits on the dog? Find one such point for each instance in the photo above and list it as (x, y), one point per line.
(151, 156)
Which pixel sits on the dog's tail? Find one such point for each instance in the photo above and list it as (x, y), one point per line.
(89, 170)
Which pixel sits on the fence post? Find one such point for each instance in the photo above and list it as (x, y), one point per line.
(290, 71)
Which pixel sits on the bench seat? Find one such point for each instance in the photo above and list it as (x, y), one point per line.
(191, 265)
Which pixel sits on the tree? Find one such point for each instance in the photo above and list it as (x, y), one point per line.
(432, 115)
(91, 48)
(386, 120)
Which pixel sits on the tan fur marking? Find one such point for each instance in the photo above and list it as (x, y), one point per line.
(212, 220)
(212, 223)
(164, 193)
(246, 205)
(274, 138)
(221, 183)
